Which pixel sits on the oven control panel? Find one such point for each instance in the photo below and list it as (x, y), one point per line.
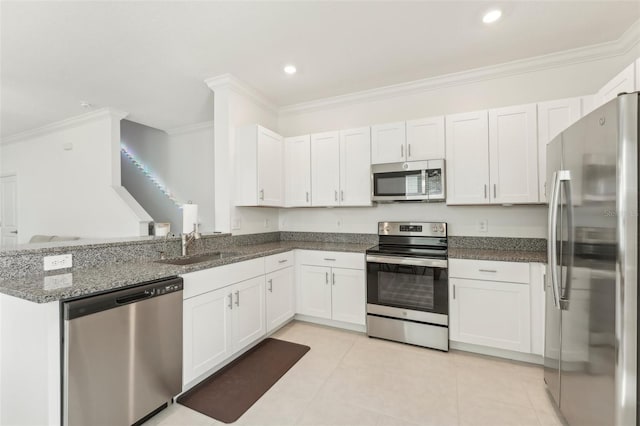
(422, 229)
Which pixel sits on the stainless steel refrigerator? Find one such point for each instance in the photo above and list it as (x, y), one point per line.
(591, 322)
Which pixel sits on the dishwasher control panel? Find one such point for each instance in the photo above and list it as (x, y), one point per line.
(166, 289)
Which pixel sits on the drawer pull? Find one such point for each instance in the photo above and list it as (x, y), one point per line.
(329, 259)
(487, 270)
(282, 261)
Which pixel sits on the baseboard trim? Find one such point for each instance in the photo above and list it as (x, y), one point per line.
(498, 353)
(331, 323)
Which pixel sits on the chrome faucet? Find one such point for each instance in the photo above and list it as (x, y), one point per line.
(188, 238)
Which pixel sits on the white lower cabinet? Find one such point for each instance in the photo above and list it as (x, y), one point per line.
(280, 302)
(332, 292)
(490, 304)
(248, 319)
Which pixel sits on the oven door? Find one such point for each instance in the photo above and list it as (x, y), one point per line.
(408, 288)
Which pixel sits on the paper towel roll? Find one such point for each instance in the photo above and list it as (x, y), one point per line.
(189, 217)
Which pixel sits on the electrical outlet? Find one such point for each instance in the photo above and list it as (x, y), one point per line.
(53, 282)
(236, 223)
(266, 223)
(62, 261)
(483, 226)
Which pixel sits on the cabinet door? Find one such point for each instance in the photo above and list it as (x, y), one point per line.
(355, 167)
(248, 312)
(313, 291)
(425, 139)
(490, 313)
(388, 143)
(325, 169)
(270, 168)
(279, 299)
(553, 118)
(513, 149)
(348, 295)
(297, 169)
(623, 82)
(206, 332)
(467, 158)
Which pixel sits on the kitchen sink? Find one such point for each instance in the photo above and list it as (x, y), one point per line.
(190, 260)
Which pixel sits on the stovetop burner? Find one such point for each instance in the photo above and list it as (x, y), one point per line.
(412, 239)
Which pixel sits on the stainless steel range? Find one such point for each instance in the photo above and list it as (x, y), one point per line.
(407, 284)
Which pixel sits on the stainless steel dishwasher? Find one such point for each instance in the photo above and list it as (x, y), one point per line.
(122, 354)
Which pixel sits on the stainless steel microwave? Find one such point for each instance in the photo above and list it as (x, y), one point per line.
(411, 181)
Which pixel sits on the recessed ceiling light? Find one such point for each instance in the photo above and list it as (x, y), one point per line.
(290, 69)
(492, 16)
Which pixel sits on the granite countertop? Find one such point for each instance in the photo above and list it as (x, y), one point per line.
(116, 275)
(499, 255)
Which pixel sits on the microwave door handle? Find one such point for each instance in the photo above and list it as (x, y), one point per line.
(424, 182)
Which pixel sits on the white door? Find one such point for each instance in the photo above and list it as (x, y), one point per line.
(513, 154)
(325, 169)
(270, 168)
(355, 167)
(280, 297)
(313, 290)
(388, 143)
(553, 118)
(297, 167)
(623, 82)
(425, 139)
(248, 312)
(8, 211)
(489, 313)
(348, 298)
(467, 149)
(206, 332)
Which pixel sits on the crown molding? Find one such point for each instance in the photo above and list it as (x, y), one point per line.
(190, 128)
(64, 124)
(629, 40)
(238, 86)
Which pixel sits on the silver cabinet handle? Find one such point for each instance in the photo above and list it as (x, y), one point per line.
(335, 196)
(402, 151)
(454, 292)
(13, 232)
(230, 301)
(485, 190)
(494, 190)
(282, 261)
(262, 194)
(487, 270)
(333, 278)
(408, 150)
(326, 278)
(329, 259)
(271, 286)
(307, 196)
(237, 298)
(341, 195)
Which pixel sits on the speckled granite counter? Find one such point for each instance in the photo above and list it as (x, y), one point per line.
(500, 255)
(115, 275)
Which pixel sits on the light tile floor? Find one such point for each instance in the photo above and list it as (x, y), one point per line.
(349, 379)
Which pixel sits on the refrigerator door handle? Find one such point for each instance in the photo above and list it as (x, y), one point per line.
(565, 179)
(552, 250)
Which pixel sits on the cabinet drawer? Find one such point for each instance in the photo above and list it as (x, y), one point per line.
(330, 258)
(278, 261)
(200, 282)
(489, 270)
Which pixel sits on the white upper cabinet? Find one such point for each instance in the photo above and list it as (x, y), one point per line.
(259, 167)
(325, 169)
(388, 143)
(513, 149)
(297, 167)
(425, 139)
(623, 82)
(355, 167)
(467, 155)
(553, 118)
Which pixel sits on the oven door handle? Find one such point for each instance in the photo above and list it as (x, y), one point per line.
(398, 260)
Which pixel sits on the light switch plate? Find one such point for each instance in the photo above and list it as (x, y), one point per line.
(51, 263)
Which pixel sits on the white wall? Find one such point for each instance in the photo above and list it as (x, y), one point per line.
(182, 160)
(521, 221)
(66, 181)
(235, 106)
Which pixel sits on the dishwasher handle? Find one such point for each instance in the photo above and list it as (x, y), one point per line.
(92, 304)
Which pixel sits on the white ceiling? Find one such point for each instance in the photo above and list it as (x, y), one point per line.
(150, 58)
